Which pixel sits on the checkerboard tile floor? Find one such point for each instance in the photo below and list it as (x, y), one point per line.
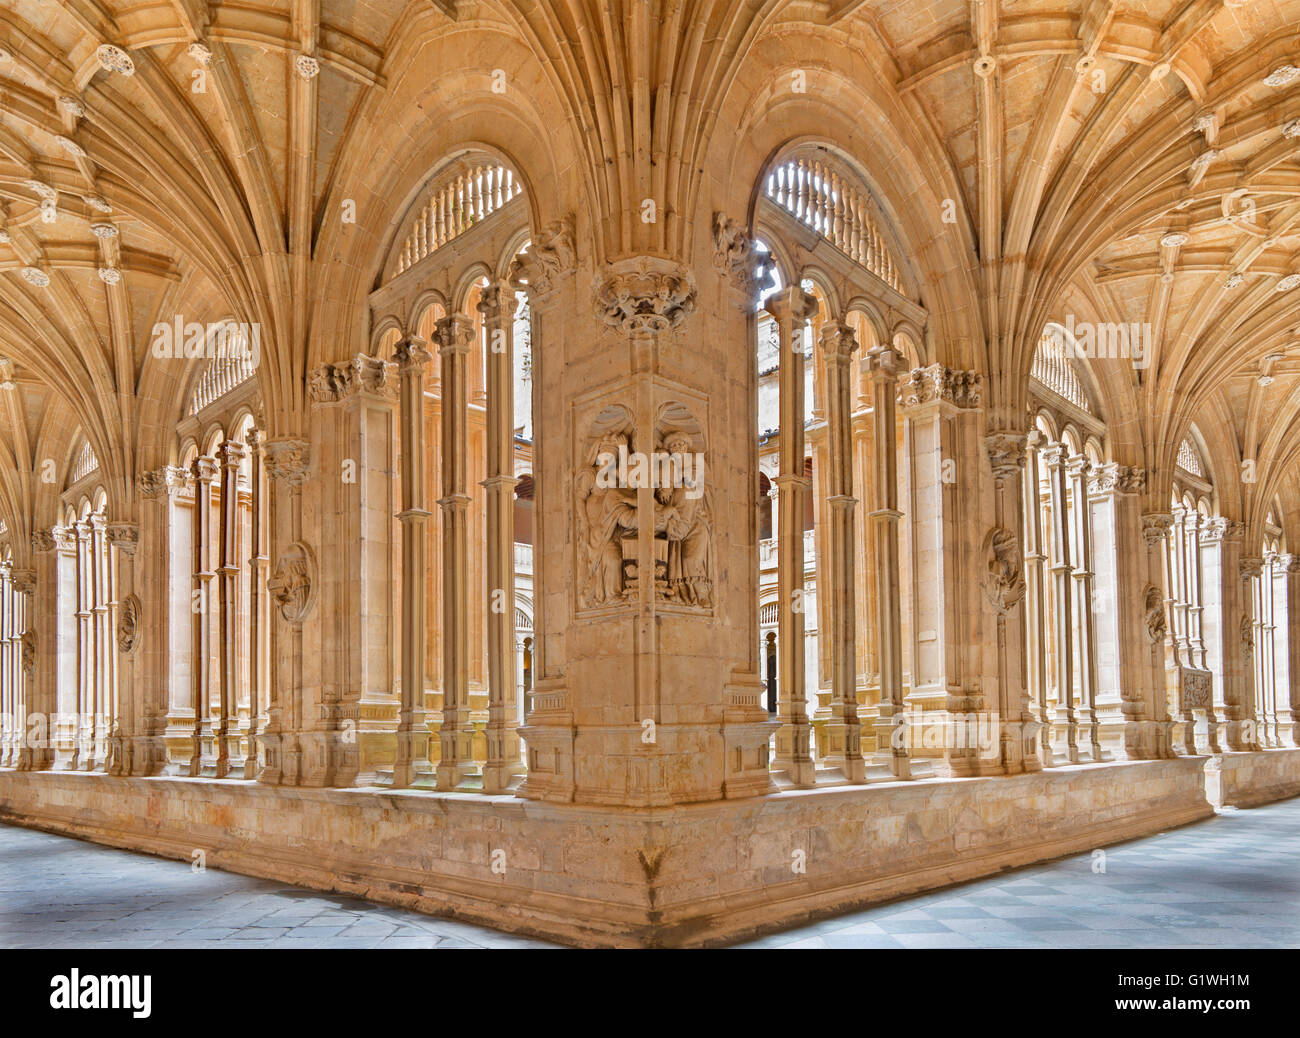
(1230, 881)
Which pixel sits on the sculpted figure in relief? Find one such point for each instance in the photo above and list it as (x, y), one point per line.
(605, 516)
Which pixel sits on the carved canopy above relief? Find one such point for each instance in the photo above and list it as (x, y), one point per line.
(616, 462)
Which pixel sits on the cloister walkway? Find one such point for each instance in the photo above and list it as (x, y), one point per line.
(1226, 882)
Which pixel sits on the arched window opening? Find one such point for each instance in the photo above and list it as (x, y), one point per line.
(821, 192)
(463, 195)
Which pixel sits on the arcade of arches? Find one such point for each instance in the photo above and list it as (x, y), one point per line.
(559, 463)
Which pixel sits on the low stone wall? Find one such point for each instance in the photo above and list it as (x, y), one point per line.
(687, 875)
(1248, 779)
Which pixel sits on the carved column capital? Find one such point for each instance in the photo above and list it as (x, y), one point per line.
(645, 294)
(791, 304)
(1290, 563)
(1250, 567)
(330, 383)
(24, 580)
(497, 303)
(454, 334)
(1006, 451)
(205, 469)
(288, 460)
(737, 257)
(838, 342)
(1077, 466)
(123, 536)
(160, 481)
(232, 454)
(411, 355)
(1055, 455)
(42, 541)
(1155, 527)
(549, 258)
(938, 384)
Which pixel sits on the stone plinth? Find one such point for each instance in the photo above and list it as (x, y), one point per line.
(1250, 779)
(589, 875)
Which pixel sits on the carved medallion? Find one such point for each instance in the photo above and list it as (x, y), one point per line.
(129, 625)
(293, 582)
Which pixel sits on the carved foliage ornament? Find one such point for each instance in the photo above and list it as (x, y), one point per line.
(129, 626)
(293, 582)
(42, 541)
(645, 294)
(1004, 582)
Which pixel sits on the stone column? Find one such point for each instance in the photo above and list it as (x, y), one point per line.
(1004, 589)
(1289, 696)
(9, 651)
(1252, 719)
(205, 472)
(258, 616)
(455, 335)
(1036, 560)
(123, 538)
(791, 309)
(38, 727)
(293, 589)
(544, 272)
(22, 658)
(1155, 531)
(1085, 644)
(1266, 628)
(66, 628)
(105, 698)
(1065, 731)
(83, 757)
(883, 363)
(231, 457)
(157, 634)
(497, 306)
(412, 765)
(844, 730)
